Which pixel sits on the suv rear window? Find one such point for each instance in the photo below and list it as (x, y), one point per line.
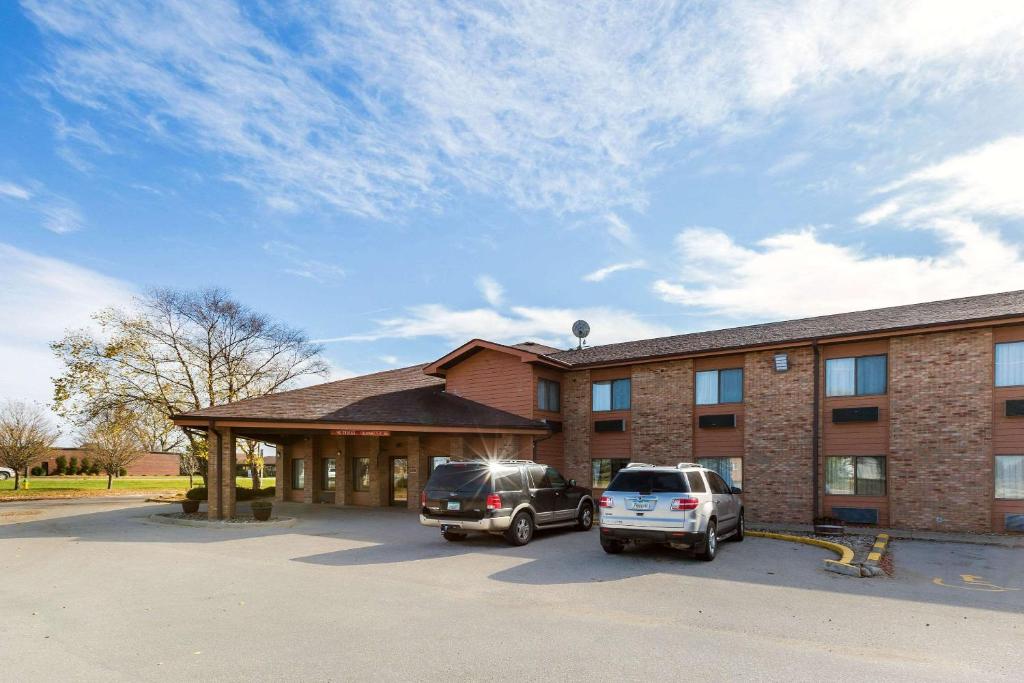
(640, 481)
(463, 477)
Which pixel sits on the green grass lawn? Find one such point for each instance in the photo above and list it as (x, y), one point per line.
(41, 485)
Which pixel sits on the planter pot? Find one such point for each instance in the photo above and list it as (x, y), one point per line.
(190, 505)
(261, 511)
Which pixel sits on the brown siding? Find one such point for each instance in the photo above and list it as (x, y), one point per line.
(940, 467)
(610, 444)
(662, 402)
(719, 441)
(496, 379)
(1007, 432)
(777, 483)
(550, 451)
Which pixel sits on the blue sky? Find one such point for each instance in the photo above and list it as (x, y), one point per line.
(397, 179)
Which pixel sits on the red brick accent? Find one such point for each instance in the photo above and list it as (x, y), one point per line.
(221, 480)
(940, 462)
(576, 425)
(662, 405)
(778, 437)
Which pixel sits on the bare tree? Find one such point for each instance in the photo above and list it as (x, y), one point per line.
(253, 452)
(195, 459)
(26, 436)
(115, 442)
(178, 351)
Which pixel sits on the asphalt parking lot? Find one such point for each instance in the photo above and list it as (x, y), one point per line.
(92, 591)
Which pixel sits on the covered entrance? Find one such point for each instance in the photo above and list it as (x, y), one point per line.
(399, 481)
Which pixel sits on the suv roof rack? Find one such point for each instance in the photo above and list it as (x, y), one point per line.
(638, 464)
(516, 462)
(683, 465)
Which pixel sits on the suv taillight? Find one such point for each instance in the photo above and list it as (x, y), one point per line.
(423, 499)
(684, 504)
(607, 502)
(494, 502)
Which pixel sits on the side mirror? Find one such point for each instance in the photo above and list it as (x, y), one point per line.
(736, 490)
(572, 482)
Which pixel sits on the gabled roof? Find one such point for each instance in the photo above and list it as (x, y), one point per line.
(404, 396)
(527, 352)
(895, 318)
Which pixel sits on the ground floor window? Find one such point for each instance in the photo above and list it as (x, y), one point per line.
(360, 474)
(330, 474)
(1010, 477)
(298, 474)
(730, 469)
(604, 469)
(855, 475)
(436, 460)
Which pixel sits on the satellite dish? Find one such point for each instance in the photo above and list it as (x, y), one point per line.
(580, 330)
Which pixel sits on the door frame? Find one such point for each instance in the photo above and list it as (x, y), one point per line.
(391, 481)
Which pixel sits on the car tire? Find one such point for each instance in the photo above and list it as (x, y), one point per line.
(740, 529)
(453, 537)
(521, 530)
(4, 476)
(612, 547)
(585, 519)
(710, 542)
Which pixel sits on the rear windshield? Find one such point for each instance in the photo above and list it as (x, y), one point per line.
(456, 477)
(640, 481)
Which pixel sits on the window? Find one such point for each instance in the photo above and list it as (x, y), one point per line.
(719, 386)
(611, 395)
(436, 460)
(717, 484)
(860, 475)
(330, 473)
(298, 474)
(730, 469)
(360, 474)
(646, 481)
(696, 482)
(604, 469)
(555, 479)
(549, 395)
(863, 376)
(1010, 364)
(508, 480)
(1010, 477)
(537, 478)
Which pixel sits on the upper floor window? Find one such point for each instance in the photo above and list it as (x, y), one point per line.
(862, 376)
(719, 386)
(1010, 364)
(611, 394)
(549, 395)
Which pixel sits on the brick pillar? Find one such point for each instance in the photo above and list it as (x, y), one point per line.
(457, 449)
(221, 475)
(310, 484)
(280, 476)
(417, 470)
(378, 480)
(576, 426)
(342, 473)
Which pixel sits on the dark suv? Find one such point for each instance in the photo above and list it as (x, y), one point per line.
(510, 497)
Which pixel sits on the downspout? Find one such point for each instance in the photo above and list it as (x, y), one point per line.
(815, 429)
(220, 473)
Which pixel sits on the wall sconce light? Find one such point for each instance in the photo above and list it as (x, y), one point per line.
(781, 362)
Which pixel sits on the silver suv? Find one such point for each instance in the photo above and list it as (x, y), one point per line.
(686, 506)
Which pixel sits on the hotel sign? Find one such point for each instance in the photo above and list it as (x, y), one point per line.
(360, 432)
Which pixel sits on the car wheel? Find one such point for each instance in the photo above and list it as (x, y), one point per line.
(452, 536)
(740, 529)
(4, 476)
(585, 519)
(521, 530)
(611, 547)
(710, 543)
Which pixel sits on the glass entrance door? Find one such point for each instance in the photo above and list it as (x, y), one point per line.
(399, 481)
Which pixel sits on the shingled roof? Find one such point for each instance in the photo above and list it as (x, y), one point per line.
(895, 318)
(395, 397)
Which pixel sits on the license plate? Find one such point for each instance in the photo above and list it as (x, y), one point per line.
(643, 505)
(454, 505)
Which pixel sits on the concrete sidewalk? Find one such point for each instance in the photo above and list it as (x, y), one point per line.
(1001, 540)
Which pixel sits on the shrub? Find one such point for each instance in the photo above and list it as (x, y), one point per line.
(61, 465)
(95, 468)
(83, 467)
(122, 472)
(198, 493)
(37, 471)
(243, 494)
(267, 492)
(73, 466)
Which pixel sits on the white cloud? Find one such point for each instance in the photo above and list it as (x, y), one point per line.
(797, 274)
(60, 216)
(13, 191)
(300, 265)
(788, 163)
(618, 228)
(546, 325)
(982, 181)
(491, 290)
(571, 106)
(601, 273)
(40, 298)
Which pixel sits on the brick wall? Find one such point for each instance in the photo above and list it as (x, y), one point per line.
(940, 461)
(777, 482)
(221, 480)
(662, 428)
(576, 425)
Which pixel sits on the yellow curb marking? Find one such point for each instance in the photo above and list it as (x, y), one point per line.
(874, 557)
(973, 583)
(845, 553)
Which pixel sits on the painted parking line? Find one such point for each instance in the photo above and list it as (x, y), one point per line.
(972, 582)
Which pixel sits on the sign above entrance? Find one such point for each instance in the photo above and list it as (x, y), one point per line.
(360, 432)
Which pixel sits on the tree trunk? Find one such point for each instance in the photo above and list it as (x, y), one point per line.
(17, 478)
(255, 479)
(110, 481)
(190, 480)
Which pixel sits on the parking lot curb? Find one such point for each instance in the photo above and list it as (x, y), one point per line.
(870, 565)
(276, 523)
(844, 565)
